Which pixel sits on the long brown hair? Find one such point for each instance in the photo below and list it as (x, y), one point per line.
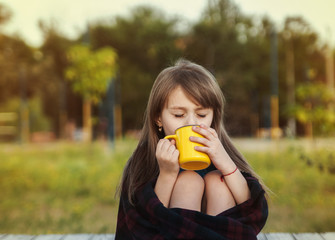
(200, 85)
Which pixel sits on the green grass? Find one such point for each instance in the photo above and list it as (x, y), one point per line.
(303, 186)
(70, 187)
(60, 188)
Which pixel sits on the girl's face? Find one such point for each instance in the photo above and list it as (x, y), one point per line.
(180, 110)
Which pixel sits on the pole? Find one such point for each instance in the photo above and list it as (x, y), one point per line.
(330, 68)
(274, 86)
(111, 113)
(290, 79)
(330, 74)
(87, 103)
(62, 109)
(117, 107)
(24, 111)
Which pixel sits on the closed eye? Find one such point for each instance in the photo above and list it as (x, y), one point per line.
(179, 115)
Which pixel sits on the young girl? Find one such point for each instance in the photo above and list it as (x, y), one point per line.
(161, 201)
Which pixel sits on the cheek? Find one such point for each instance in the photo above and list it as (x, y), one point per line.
(209, 121)
(168, 132)
(170, 128)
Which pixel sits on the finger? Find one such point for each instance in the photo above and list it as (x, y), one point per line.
(202, 149)
(168, 147)
(213, 132)
(203, 131)
(209, 129)
(171, 149)
(175, 155)
(159, 144)
(201, 140)
(162, 145)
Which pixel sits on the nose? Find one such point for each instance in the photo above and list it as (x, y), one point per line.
(191, 120)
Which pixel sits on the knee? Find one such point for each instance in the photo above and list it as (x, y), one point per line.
(188, 191)
(218, 195)
(190, 179)
(212, 178)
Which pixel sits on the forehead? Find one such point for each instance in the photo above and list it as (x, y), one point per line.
(179, 97)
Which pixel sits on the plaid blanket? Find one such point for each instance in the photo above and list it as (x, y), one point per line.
(149, 219)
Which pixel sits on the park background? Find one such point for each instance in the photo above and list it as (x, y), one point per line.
(71, 110)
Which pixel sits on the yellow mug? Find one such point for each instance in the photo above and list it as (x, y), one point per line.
(189, 158)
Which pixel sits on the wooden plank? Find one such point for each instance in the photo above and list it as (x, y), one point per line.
(307, 236)
(279, 236)
(261, 236)
(17, 237)
(103, 237)
(78, 237)
(49, 237)
(110, 236)
(328, 235)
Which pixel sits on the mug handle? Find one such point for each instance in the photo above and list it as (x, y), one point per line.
(171, 137)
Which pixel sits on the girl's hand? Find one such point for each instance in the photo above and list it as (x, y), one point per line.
(167, 156)
(213, 148)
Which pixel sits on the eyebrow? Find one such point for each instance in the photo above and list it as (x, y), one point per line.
(183, 108)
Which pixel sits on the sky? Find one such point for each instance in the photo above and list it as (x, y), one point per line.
(73, 16)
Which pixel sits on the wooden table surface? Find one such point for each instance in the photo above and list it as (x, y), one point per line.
(261, 236)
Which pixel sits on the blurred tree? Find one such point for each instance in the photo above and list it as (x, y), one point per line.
(146, 42)
(18, 79)
(90, 72)
(15, 57)
(235, 48)
(312, 108)
(5, 14)
(302, 61)
(305, 46)
(215, 34)
(38, 121)
(50, 76)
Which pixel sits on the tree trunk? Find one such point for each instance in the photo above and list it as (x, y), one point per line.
(87, 121)
(290, 78)
(309, 124)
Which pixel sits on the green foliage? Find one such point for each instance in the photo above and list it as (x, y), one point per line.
(236, 49)
(90, 72)
(49, 79)
(230, 43)
(16, 64)
(316, 93)
(37, 119)
(146, 42)
(315, 104)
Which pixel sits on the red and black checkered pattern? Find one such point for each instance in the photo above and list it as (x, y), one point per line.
(149, 219)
